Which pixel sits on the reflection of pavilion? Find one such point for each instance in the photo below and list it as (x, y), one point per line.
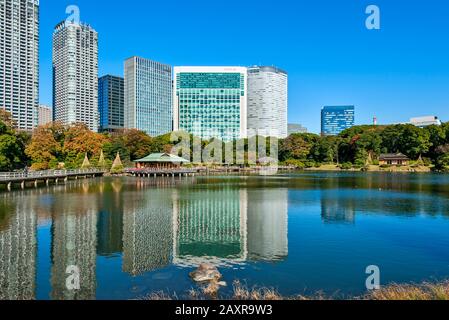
(210, 226)
(74, 240)
(18, 249)
(147, 232)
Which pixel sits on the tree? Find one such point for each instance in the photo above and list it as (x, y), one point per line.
(138, 143)
(414, 141)
(10, 153)
(297, 146)
(325, 150)
(78, 142)
(45, 147)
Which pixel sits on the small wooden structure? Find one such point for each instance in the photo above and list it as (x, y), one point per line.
(394, 159)
(160, 161)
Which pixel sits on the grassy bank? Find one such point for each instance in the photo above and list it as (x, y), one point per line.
(405, 292)
(371, 168)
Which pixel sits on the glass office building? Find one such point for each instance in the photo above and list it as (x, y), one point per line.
(336, 119)
(111, 103)
(211, 102)
(148, 96)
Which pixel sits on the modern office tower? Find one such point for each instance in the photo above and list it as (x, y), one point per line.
(19, 61)
(334, 120)
(111, 103)
(211, 102)
(75, 74)
(296, 128)
(148, 96)
(267, 101)
(423, 122)
(45, 115)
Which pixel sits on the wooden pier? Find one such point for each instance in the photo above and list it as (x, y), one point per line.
(24, 179)
(154, 173)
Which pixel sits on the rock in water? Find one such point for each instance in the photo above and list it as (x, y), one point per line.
(206, 273)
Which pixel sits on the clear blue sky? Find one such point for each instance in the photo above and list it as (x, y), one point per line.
(396, 73)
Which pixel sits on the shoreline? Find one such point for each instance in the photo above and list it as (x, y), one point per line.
(425, 291)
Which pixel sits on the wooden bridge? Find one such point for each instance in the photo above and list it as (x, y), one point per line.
(35, 177)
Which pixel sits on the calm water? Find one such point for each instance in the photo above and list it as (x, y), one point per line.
(297, 233)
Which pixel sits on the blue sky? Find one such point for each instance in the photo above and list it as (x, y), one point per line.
(395, 73)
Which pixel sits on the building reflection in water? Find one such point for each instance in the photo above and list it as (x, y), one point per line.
(210, 226)
(18, 249)
(151, 228)
(186, 227)
(110, 221)
(337, 209)
(74, 241)
(268, 224)
(147, 231)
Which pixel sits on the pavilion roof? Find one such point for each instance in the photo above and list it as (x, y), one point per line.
(162, 158)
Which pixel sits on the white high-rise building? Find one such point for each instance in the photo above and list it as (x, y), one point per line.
(75, 74)
(267, 102)
(19, 61)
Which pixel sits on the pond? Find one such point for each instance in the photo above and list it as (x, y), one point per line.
(297, 233)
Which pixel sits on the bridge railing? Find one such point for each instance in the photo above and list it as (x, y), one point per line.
(46, 174)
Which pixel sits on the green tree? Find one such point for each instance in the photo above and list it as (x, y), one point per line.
(297, 146)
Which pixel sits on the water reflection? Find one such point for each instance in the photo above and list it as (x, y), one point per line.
(74, 242)
(147, 232)
(18, 248)
(152, 224)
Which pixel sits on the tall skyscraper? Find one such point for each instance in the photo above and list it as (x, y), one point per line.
(211, 102)
(267, 101)
(75, 74)
(19, 61)
(334, 120)
(148, 96)
(45, 115)
(111, 103)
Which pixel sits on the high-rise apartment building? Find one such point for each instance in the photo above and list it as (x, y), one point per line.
(45, 115)
(111, 103)
(267, 101)
(336, 119)
(75, 74)
(148, 96)
(19, 61)
(211, 102)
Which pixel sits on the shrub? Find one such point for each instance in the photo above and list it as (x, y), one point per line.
(346, 166)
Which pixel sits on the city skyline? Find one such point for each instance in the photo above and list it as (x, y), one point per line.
(377, 71)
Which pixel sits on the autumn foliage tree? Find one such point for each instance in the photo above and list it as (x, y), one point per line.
(45, 148)
(79, 141)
